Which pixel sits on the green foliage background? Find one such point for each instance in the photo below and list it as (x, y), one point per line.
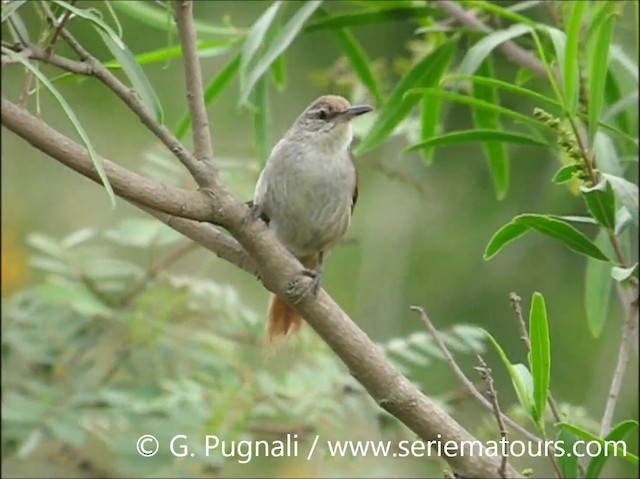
(101, 344)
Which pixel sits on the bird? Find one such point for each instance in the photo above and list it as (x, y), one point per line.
(306, 193)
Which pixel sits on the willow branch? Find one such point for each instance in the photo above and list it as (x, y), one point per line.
(203, 150)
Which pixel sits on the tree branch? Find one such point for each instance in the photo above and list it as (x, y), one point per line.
(183, 12)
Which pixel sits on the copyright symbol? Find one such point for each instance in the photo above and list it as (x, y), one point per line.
(147, 445)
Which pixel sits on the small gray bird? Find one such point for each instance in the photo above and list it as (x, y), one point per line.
(307, 191)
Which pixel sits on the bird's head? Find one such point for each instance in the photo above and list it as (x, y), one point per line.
(326, 123)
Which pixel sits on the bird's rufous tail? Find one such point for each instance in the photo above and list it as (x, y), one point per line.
(283, 319)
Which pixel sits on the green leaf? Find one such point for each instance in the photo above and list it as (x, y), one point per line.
(279, 73)
(136, 75)
(262, 115)
(568, 462)
(563, 232)
(45, 245)
(358, 60)
(100, 25)
(213, 89)
(611, 449)
(565, 174)
(470, 136)
(359, 18)
(533, 95)
(95, 159)
(601, 202)
(559, 40)
(9, 8)
(618, 433)
(148, 14)
(483, 48)
(599, 65)
(540, 358)
(502, 237)
(623, 274)
(495, 151)
(427, 71)
(280, 43)
(626, 192)
(521, 378)
(597, 289)
(549, 226)
(256, 38)
(570, 67)
(507, 13)
(477, 103)
(429, 122)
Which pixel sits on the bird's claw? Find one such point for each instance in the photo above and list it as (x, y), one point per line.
(314, 286)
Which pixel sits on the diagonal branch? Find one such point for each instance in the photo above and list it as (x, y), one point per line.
(193, 75)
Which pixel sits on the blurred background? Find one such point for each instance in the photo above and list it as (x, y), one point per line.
(417, 238)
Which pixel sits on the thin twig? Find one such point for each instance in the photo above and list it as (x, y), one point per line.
(485, 374)
(629, 332)
(460, 374)
(183, 12)
(59, 28)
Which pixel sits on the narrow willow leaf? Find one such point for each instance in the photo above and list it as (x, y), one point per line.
(483, 48)
(549, 226)
(148, 14)
(472, 136)
(626, 192)
(597, 288)
(261, 118)
(495, 151)
(359, 61)
(139, 80)
(427, 71)
(97, 21)
(9, 9)
(568, 462)
(520, 377)
(279, 73)
(618, 433)
(508, 13)
(504, 86)
(430, 108)
(95, 158)
(599, 65)
(565, 174)
(213, 89)
(601, 203)
(613, 95)
(570, 70)
(559, 40)
(359, 18)
(629, 64)
(588, 436)
(536, 96)
(280, 43)
(502, 237)
(475, 102)
(256, 38)
(540, 358)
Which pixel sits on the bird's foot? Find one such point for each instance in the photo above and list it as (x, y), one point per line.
(297, 291)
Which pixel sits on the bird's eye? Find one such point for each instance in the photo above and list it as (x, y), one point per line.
(322, 114)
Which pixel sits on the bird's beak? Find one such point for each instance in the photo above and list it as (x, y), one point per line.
(354, 111)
